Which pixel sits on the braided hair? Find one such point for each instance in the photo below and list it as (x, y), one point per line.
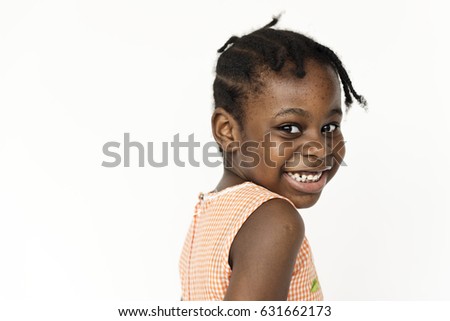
(243, 59)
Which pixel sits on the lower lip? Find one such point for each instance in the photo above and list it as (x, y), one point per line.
(313, 187)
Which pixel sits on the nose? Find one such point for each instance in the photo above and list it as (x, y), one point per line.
(316, 150)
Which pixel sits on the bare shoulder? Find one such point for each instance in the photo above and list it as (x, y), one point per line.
(275, 220)
(263, 253)
(280, 213)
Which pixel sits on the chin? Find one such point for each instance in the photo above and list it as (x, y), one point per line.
(305, 201)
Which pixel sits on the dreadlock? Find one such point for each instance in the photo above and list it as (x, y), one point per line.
(242, 59)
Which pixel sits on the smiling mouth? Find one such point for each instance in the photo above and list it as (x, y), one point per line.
(307, 181)
(305, 177)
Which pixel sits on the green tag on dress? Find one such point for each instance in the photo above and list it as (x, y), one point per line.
(315, 286)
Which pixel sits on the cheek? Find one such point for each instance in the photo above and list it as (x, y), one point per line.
(285, 150)
(273, 154)
(338, 148)
(250, 156)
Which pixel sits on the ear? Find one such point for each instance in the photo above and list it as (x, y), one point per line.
(226, 130)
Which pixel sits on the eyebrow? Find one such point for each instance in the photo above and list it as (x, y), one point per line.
(336, 110)
(304, 113)
(295, 111)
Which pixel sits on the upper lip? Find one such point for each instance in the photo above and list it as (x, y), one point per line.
(311, 170)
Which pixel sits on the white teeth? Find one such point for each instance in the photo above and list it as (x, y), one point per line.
(305, 178)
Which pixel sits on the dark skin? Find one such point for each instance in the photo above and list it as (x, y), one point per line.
(301, 116)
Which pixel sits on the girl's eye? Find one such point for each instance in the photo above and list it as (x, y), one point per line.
(330, 128)
(291, 129)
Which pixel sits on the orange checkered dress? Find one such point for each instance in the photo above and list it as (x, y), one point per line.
(204, 269)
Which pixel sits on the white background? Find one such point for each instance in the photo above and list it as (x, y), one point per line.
(77, 74)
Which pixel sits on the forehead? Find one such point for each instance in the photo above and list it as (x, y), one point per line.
(317, 92)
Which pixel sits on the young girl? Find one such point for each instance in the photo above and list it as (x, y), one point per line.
(277, 121)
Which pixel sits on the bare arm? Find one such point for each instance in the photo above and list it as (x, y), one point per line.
(263, 253)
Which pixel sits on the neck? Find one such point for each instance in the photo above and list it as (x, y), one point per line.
(229, 178)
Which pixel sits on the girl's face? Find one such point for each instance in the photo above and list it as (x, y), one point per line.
(291, 138)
